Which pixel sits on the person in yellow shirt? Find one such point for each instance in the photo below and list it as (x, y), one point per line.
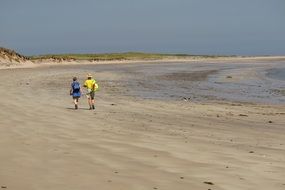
(90, 85)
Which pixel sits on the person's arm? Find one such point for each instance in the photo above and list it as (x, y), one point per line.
(85, 84)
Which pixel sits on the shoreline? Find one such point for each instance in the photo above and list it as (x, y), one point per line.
(241, 59)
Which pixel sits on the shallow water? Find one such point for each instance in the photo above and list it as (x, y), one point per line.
(236, 82)
(278, 73)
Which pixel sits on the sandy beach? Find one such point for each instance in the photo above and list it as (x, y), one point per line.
(169, 126)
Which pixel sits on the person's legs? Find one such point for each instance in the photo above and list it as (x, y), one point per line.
(75, 100)
(93, 100)
(89, 100)
(93, 104)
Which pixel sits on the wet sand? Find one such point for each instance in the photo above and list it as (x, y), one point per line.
(156, 126)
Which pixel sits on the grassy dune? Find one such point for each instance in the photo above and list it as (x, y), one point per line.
(9, 56)
(105, 56)
(116, 56)
(14, 56)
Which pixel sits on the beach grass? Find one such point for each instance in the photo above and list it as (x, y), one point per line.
(104, 56)
(118, 56)
(12, 55)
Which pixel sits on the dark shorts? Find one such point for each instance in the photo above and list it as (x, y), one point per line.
(91, 95)
(76, 97)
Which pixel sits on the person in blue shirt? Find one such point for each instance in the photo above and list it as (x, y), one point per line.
(75, 92)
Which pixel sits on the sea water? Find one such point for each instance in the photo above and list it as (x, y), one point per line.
(277, 73)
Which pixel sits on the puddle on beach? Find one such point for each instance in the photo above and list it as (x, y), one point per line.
(238, 82)
(277, 73)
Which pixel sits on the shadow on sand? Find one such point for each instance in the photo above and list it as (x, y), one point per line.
(78, 109)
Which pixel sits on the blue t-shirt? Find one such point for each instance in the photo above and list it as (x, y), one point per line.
(75, 89)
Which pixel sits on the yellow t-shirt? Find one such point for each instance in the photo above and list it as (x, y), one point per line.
(90, 84)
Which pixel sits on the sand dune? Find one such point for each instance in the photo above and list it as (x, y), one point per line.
(10, 58)
(130, 142)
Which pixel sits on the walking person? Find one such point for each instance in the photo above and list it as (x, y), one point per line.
(75, 92)
(91, 86)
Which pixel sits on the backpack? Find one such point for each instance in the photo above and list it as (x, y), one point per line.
(76, 86)
(96, 87)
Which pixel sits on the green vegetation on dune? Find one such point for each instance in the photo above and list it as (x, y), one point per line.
(105, 56)
(11, 53)
(118, 56)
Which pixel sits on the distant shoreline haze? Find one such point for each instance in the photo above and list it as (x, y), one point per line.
(195, 27)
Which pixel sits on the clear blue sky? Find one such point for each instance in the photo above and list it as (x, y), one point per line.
(240, 27)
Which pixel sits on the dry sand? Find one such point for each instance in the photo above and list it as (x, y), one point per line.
(130, 142)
